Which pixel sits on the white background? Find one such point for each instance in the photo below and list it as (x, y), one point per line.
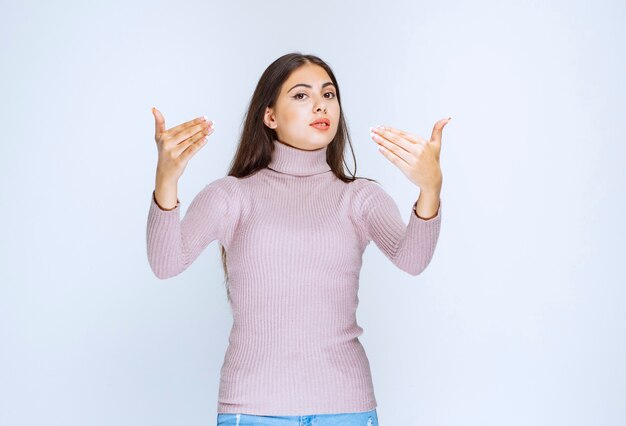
(518, 320)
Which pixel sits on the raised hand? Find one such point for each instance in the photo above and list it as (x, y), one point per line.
(415, 156)
(177, 145)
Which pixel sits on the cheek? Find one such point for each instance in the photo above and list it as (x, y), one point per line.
(337, 116)
(301, 116)
(287, 118)
(297, 112)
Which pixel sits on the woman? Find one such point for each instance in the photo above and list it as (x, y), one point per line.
(292, 228)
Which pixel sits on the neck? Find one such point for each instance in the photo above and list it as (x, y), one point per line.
(298, 162)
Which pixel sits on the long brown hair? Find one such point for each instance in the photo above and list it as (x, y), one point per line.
(257, 140)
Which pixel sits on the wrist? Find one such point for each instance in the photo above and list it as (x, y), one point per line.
(165, 193)
(433, 190)
(427, 205)
(164, 180)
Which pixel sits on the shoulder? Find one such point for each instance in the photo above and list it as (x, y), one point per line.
(224, 182)
(362, 189)
(364, 185)
(227, 185)
(222, 191)
(364, 194)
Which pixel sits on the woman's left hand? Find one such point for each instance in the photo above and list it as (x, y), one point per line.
(415, 156)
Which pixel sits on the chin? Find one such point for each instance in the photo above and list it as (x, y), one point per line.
(323, 139)
(312, 143)
(322, 143)
(313, 146)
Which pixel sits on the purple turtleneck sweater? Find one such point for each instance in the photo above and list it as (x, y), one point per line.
(294, 235)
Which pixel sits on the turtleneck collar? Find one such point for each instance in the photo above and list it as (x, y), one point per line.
(298, 162)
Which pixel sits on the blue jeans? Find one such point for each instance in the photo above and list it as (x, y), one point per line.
(367, 418)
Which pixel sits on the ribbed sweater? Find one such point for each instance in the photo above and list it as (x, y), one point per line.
(294, 236)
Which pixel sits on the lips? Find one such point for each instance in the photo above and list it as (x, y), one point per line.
(321, 123)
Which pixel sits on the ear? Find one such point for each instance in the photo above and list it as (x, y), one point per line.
(269, 119)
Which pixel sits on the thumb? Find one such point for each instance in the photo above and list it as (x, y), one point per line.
(159, 122)
(438, 130)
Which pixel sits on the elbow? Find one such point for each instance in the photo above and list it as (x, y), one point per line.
(164, 267)
(162, 272)
(162, 276)
(416, 270)
(165, 273)
(414, 265)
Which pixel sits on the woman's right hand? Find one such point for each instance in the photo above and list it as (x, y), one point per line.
(177, 145)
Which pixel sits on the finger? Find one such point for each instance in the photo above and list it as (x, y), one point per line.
(395, 143)
(174, 131)
(193, 139)
(159, 122)
(191, 150)
(188, 132)
(412, 137)
(438, 129)
(397, 161)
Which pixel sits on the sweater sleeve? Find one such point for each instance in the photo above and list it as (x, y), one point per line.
(409, 247)
(173, 245)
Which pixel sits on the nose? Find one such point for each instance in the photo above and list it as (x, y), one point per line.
(321, 105)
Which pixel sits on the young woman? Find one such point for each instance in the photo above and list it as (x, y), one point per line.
(293, 227)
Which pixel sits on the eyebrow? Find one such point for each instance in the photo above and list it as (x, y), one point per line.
(328, 83)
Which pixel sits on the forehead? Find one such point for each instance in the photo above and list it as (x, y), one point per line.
(308, 74)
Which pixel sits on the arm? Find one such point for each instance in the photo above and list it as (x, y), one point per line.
(166, 193)
(173, 245)
(427, 205)
(409, 247)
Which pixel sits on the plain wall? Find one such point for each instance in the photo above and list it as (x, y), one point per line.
(520, 317)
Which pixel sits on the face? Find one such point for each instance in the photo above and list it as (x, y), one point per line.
(307, 95)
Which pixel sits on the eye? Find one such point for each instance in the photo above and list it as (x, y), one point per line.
(297, 95)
